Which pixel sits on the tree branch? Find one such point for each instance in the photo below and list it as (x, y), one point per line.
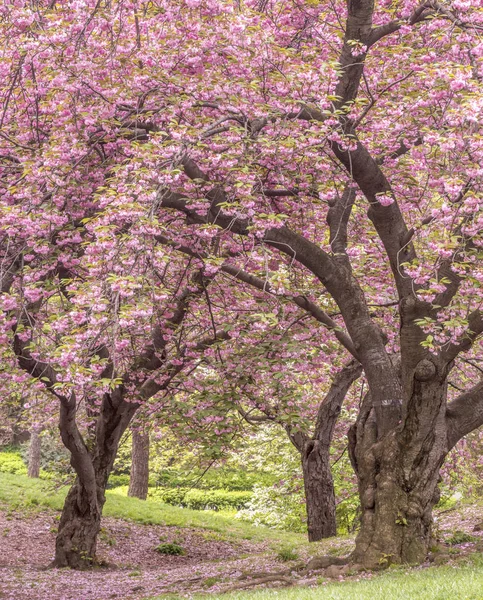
(464, 414)
(329, 408)
(421, 13)
(475, 329)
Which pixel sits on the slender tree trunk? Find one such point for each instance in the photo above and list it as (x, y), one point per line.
(319, 491)
(398, 479)
(139, 479)
(315, 455)
(34, 454)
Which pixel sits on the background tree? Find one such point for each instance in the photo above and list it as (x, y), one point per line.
(139, 475)
(34, 454)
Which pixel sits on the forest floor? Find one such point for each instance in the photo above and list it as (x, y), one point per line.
(220, 554)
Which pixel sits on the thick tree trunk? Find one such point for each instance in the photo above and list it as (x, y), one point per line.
(34, 455)
(75, 544)
(398, 479)
(319, 491)
(139, 479)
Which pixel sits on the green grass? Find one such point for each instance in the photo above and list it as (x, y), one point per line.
(438, 583)
(465, 582)
(18, 492)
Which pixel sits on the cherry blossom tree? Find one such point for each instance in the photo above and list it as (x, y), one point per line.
(330, 150)
(421, 182)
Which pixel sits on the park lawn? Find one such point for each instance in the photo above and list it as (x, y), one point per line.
(21, 493)
(435, 583)
(463, 581)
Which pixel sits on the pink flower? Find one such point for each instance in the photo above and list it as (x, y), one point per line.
(385, 200)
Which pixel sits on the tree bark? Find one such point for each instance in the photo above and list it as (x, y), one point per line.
(398, 478)
(315, 456)
(76, 541)
(139, 478)
(319, 491)
(34, 455)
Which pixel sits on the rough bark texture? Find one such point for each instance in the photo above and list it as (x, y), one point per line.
(80, 522)
(319, 491)
(398, 474)
(34, 455)
(315, 455)
(76, 541)
(139, 479)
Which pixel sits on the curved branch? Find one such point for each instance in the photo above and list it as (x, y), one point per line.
(421, 13)
(464, 414)
(475, 329)
(330, 407)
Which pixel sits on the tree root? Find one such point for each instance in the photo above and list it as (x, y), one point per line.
(293, 576)
(287, 581)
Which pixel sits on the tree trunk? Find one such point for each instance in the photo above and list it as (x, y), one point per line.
(139, 479)
(315, 455)
(75, 544)
(319, 491)
(398, 479)
(34, 455)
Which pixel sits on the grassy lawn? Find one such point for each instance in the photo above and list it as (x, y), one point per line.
(19, 492)
(462, 582)
(438, 583)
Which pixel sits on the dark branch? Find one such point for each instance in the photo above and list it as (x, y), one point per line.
(464, 414)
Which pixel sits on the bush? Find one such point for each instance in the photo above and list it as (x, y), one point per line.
(279, 507)
(234, 480)
(117, 481)
(216, 499)
(220, 479)
(203, 499)
(11, 462)
(174, 496)
(170, 548)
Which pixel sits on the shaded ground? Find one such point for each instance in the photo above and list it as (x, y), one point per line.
(135, 568)
(137, 571)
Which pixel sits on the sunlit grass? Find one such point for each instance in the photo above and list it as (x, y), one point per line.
(18, 492)
(438, 583)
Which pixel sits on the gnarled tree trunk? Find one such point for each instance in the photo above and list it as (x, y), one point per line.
(319, 491)
(76, 541)
(139, 478)
(398, 474)
(34, 454)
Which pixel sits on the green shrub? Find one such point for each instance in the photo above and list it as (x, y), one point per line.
(11, 462)
(216, 499)
(170, 548)
(279, 507)
(203, 499)
(117, 481)
(175, 496)
(219, 479)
